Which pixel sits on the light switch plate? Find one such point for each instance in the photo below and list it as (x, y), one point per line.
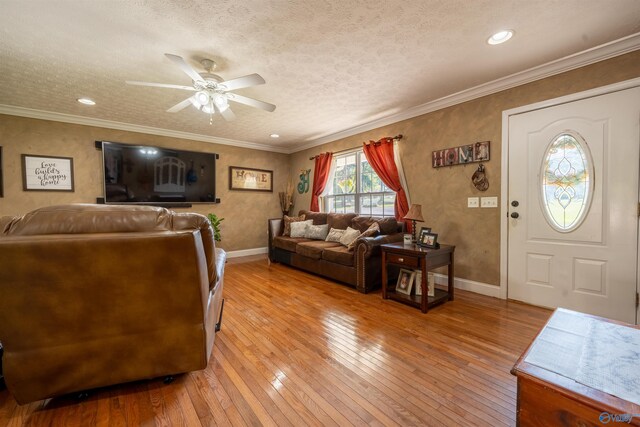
(489, 202)
(473, 202)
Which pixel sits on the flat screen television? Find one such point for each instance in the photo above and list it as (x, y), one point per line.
(157, 176)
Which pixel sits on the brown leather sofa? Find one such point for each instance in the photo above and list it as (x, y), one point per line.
(94, 295)
(360, 267)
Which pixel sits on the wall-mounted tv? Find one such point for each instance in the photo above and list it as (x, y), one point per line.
(159, 176)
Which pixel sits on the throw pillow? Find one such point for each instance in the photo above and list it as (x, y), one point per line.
(287, 223)
(317, 232)
(299, 228)
(334, 235)
(371, 231)
(349, 236)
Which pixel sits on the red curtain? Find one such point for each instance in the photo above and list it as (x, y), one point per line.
(320, 177)
(380, 157)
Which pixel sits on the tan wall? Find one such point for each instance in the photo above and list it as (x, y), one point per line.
(443, 192)
(245, 213)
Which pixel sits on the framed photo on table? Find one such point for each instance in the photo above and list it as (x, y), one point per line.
(427, 239)
(431, 284)
(405, 281)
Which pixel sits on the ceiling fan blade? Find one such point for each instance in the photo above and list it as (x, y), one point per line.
(129, 82)
(184, 66)
(180, 105)
(251, 102)
(241, 82)
(226, 113)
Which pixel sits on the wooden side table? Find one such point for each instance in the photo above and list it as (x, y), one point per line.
(415, 257)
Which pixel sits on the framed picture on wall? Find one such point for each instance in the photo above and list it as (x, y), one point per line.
(249, 179)
(47, 173)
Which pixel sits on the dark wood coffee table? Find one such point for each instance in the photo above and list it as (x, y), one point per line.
(415, 257)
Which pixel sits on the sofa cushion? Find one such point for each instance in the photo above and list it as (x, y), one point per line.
(314, 248)
(299, 228)
(338, 254)
(317, 232)
(334, 235)
(318, 218)
(341, 221)
(349, 236)
(388, 225)
(361, 223)
(288, 243)
(373, 230)
(287, 223)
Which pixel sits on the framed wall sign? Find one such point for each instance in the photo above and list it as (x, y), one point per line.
(250, 179)
(47, 173)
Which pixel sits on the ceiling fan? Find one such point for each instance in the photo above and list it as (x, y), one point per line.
(212, 93)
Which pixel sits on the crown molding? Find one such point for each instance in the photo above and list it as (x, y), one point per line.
(109, 124)
(571, 62)
(568, 63)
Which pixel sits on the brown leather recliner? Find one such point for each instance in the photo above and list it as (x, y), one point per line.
(94, 295)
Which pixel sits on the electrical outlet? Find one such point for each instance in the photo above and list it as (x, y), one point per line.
(489, 202)
(473, 202)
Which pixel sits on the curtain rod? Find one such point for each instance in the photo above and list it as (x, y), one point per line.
(397, 137)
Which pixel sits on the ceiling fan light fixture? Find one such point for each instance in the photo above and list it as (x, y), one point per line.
(208, 108)
(202, 97)
(221, 101)
(500, 37)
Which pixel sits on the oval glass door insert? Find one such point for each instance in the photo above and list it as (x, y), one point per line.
(567, 182)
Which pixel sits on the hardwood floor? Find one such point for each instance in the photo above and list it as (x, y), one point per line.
(296, 349)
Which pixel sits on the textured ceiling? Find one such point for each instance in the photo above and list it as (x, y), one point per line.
(329, 65)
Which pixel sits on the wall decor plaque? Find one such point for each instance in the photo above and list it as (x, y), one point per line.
(250, 179)
(470, 153)
(47, 173)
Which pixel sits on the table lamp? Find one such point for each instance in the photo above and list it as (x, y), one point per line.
(414, 214)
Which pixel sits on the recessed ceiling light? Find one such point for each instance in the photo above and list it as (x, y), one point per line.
(274, 135)
(500, 37)
(86, 101)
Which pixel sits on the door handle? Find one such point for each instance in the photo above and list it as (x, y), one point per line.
(515, 215)
(515, 203)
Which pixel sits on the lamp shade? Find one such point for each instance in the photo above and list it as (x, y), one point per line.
(415, 213)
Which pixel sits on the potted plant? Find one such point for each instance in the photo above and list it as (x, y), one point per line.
(215, 224)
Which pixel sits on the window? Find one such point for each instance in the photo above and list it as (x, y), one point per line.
(356, 188)
(567, 182)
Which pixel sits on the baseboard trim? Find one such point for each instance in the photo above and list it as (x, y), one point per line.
(247, 252)
(468, 285)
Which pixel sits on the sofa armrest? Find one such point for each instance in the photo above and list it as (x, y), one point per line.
(370, 246)
(275, 228)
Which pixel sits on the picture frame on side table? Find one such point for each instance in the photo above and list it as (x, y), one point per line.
(47, 173)
(431, 284)
(427, 239)
(249, 179)
(405, 281)
(425, 230)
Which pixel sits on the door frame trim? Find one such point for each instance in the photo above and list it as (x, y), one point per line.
(504, 159)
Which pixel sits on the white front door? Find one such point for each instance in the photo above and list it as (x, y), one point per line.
(573, 205)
